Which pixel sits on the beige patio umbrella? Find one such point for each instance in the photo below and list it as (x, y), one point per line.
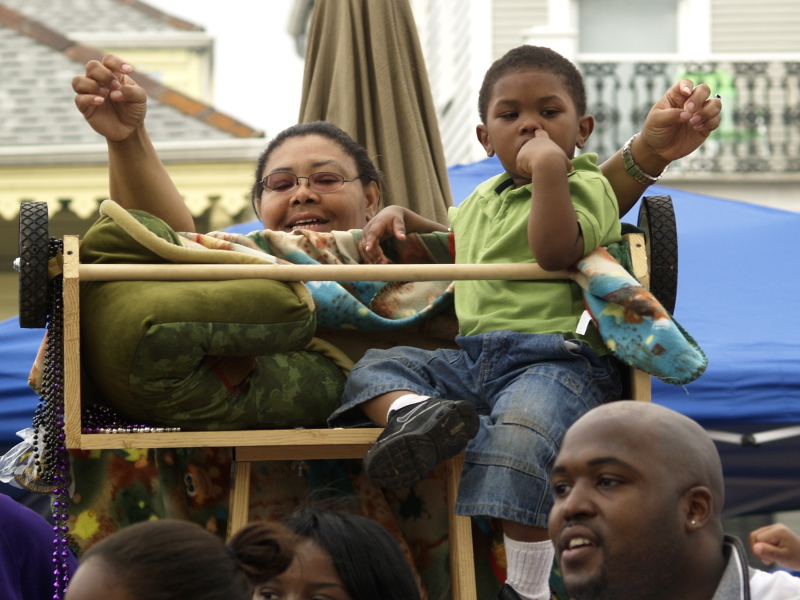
(365, 73)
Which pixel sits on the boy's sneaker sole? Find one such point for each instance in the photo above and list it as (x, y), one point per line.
(417, 438)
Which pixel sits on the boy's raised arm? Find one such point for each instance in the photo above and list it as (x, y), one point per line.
(675, 127)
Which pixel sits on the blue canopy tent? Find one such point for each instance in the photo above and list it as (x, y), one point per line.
(736, 296)
(18, 349)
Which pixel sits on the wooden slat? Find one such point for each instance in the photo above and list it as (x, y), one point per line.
(638, 251)
(223, 439)
(640, 385)
(639, 380)
(462, 560)
(239, 502)
(72, 351)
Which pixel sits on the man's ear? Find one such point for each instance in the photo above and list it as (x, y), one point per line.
(585, 129)
(372, 192)
(483, 138)
(699, 507)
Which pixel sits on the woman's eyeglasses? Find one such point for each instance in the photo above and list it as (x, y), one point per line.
(321, 182)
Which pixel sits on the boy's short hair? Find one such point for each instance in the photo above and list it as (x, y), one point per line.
(534, 58)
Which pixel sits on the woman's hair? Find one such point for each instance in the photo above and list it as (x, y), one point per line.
(173, 560)
(263, 550)
(367, 557)
(366, 168)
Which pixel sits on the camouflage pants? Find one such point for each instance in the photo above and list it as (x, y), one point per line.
(174, 384)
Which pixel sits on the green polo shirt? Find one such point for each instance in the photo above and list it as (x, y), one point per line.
(491, 226)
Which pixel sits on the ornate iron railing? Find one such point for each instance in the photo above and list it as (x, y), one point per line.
(760, 128)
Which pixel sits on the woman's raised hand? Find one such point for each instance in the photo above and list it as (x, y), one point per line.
(110, 101)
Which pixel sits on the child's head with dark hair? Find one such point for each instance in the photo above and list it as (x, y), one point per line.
(172, 560)
(540, 58)
(533, 98)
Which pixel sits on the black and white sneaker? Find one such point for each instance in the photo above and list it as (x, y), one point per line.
(417, 438)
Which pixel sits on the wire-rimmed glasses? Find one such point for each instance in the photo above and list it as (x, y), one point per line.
(322, 182)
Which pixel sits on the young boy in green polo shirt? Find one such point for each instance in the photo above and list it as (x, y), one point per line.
(524, 372)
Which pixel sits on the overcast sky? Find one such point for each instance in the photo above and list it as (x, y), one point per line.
(257, 74)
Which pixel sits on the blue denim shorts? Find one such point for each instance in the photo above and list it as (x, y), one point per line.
(527, 388)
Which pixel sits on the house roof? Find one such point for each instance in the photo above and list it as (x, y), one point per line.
(38, 60)
(70, 16)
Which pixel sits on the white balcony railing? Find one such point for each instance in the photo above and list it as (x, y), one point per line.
(760, 128)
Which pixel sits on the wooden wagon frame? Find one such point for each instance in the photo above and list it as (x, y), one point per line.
(653, 251)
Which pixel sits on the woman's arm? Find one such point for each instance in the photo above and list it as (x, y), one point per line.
(138, 180)
(676, 126)
(115, 107)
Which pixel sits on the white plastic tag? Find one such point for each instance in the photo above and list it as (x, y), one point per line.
(583, 323)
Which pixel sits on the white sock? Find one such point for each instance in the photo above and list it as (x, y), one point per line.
(529, 566)
(404, 401)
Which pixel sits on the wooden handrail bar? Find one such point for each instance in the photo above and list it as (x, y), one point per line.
(212, 272)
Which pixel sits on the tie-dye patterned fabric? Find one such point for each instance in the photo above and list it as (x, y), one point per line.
(634, 325)
(631, 321)
(359, 305)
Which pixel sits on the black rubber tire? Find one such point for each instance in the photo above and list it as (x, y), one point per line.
(34, 241)
(657, 220)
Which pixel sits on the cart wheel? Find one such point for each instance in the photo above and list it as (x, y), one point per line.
(657, 219)
(34, 242)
